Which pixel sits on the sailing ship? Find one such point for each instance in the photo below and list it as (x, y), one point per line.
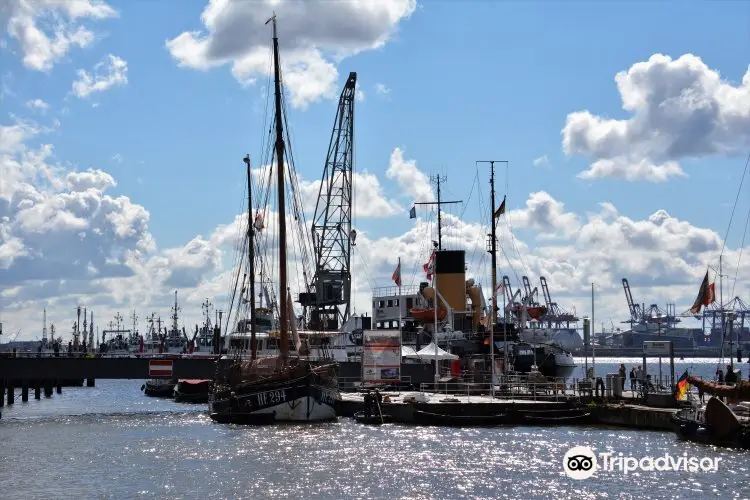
(283, 388)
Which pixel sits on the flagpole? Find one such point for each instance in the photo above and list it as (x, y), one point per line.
(435, 308)
(505, 335)
(593, 334)
(399, 299)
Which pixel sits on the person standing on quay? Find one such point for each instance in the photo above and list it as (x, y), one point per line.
(623, 371)
(632, 379)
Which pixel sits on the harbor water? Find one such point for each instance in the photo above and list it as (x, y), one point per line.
(111, 441)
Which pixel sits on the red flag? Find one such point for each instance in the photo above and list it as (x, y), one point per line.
(397, 274)
(710, 296)
(705, 295)
(429, 267)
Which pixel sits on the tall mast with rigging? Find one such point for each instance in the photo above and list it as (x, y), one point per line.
(283, 314)
(251, 259)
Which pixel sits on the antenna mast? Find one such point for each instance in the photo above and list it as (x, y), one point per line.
(437, 179)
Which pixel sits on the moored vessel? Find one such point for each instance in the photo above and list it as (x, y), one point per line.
(289, 387)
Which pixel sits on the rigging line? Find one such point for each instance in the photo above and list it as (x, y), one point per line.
(366, 269)
(475, 183)
(238, 267)
(526, 268)
(425, 243)
(742, 247)
(736, 200)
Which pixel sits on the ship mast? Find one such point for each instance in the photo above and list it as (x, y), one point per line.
(283, 318)
(251, 259)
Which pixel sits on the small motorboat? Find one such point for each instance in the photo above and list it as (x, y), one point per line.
(159, 387)
(192, 390)
(442, 419)
(373, 418)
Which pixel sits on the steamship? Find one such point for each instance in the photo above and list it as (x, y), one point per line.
(463, 323)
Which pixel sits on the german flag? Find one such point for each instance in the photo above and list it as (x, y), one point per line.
(501, 210)
(706, 295)
(682, 386)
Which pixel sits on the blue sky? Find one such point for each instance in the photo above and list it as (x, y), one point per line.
(467, 81)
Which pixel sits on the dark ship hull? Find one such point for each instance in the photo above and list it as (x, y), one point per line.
(300, 394)
(192, 391)
(159, 388)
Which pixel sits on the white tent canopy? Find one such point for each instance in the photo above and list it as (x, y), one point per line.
(408, 352)
(428, 353)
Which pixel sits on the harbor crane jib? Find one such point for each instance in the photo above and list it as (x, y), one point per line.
(327, 301)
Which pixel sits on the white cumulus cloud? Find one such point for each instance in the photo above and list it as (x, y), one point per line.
(47, 29)
(680, 109)
(109, 72)
(314, 36)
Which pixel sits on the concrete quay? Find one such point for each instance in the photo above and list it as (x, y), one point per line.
(619, 414)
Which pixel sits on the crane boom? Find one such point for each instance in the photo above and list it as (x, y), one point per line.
(328, 298)
(635, 310)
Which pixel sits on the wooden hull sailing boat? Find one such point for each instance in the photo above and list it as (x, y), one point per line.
(279, 388)
(300, 392)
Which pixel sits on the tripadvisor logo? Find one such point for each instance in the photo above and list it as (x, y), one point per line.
(580, 462)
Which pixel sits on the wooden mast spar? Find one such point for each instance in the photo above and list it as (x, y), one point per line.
(280, 147)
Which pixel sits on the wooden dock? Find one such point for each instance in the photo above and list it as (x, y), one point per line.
(402, 406)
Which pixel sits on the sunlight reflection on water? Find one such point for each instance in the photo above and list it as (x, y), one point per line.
(163, 449)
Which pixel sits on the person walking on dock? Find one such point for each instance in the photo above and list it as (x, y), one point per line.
(632, 379)
(623, 372)
(719, 376)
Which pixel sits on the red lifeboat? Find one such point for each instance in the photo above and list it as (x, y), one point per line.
(533, 312)
(427, 315)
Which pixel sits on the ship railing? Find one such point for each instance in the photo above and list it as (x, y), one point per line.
(108, 355)
(510, 388)
(393, 291)
(356, 383)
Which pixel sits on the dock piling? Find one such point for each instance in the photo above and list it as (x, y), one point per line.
(90, 382)
(59, 386)
(37, 389)
(11, 393)
(25, 391)
(48, 388)
(2, 393)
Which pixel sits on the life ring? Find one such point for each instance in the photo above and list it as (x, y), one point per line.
(599, 385)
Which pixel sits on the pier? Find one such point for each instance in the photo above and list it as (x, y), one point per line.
(48, 373)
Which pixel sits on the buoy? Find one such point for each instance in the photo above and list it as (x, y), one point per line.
(143, 386)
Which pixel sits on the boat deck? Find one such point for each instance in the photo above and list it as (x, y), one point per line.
(442, 398)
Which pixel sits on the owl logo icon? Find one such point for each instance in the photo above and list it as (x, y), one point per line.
(579, 462)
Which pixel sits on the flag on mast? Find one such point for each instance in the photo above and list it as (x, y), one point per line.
(706, 295)
(682, 386)
(397, 274)
(501, 209)
(413, 212)
(429, 267)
